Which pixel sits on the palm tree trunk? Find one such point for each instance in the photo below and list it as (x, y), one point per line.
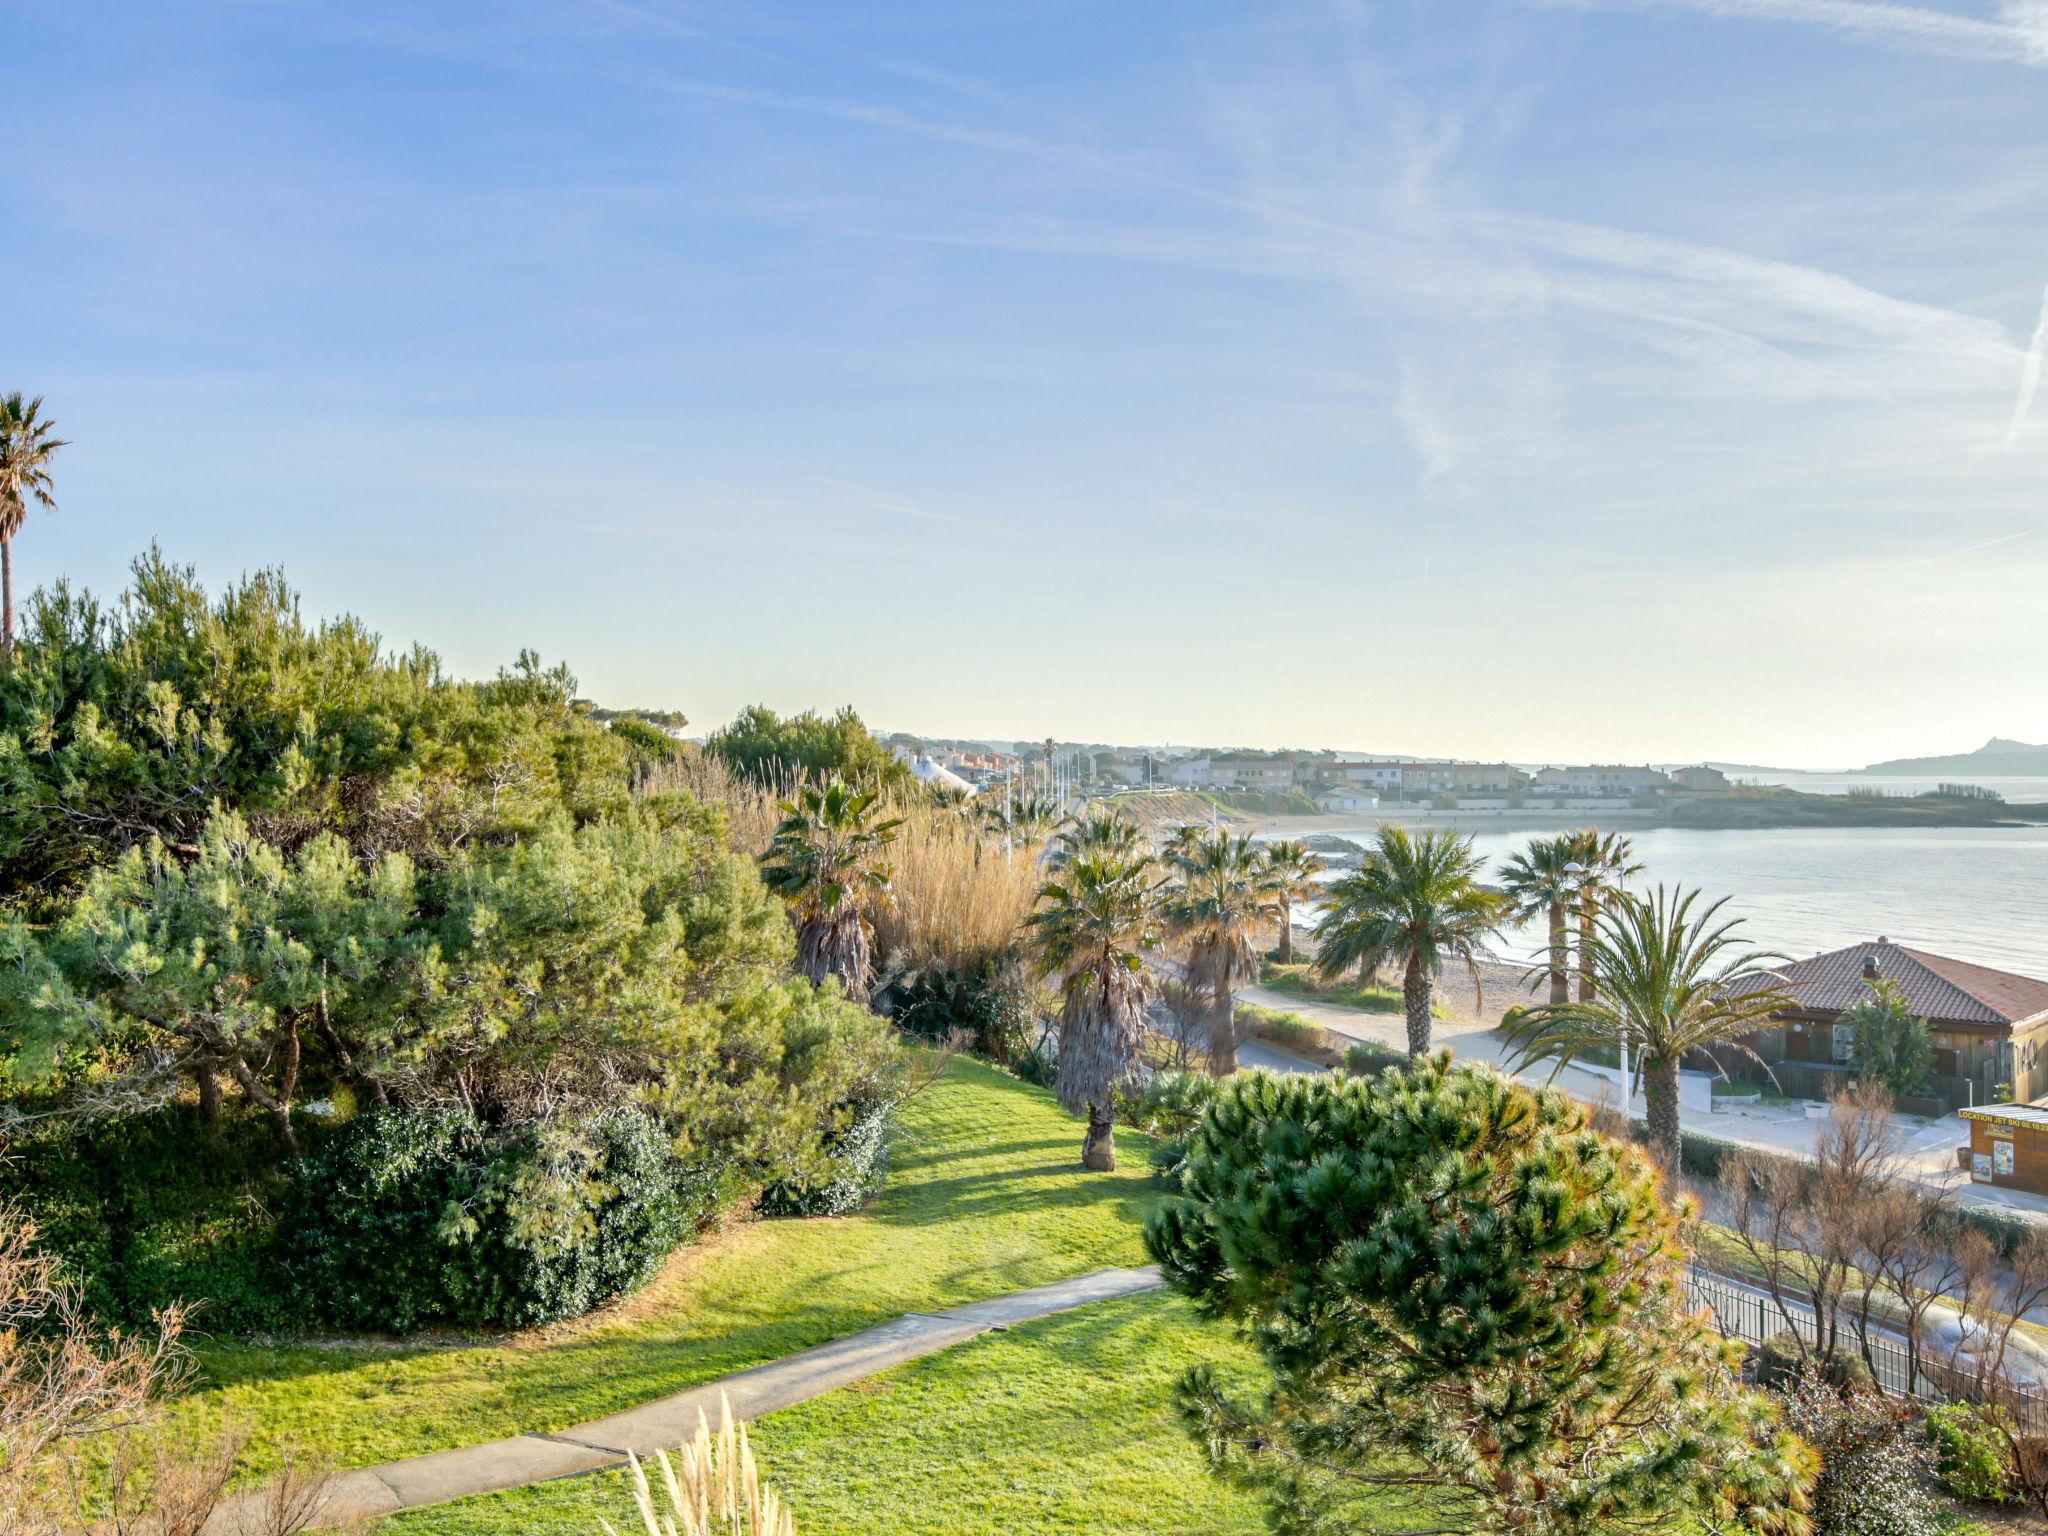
(1222, 1033)
(6, 599)
(1560, 980)
(1098, 1148)
(1418, 992)
(1587, 921)
(1287, 933)
(1660, 1090)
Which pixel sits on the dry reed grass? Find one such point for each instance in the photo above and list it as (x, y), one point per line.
(956, 898)
(712, 1487)
(752, 810)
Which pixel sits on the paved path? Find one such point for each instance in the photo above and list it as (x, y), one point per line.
(372, 1492)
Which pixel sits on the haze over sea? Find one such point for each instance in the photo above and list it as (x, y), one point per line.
(1974, 893)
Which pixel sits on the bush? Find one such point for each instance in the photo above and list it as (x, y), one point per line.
(859, 1162)
(993, 1002)
(1364, 1059)
(419, 1216)
(1170, 1106)
(1039, 1066)
(1968, 1458)
(158, 1207)
(1780, 1364)
(1873, 1467)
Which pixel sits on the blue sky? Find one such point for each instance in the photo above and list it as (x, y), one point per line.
(1543, 378)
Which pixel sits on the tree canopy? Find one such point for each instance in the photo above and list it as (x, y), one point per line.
(772, 750)
(1469, 1306)
(137, 721)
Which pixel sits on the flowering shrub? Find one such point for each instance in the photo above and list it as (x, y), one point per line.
(1874, 1468)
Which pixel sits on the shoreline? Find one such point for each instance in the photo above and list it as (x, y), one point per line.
(1341, 823)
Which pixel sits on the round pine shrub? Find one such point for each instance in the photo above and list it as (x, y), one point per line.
(412, 1217)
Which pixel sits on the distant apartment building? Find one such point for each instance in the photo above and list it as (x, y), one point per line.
(1700, 777)
(1251, 773)
(1613, 780)
(1427, 778)
(1126, 770)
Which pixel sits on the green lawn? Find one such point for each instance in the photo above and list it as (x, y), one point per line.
(986, 1195)
(1061, 1425)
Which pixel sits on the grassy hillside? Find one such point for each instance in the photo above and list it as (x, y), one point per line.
(1061, 1427)
(986, 1196)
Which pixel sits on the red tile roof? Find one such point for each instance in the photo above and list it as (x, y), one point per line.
(1940, 989)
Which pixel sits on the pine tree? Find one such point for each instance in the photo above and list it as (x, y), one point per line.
(1471, 1311)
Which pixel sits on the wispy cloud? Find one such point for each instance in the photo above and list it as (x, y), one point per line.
(1971, 549)
(2030, 377)
(2019, 36)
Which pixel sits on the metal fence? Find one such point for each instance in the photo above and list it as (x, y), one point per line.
(1742, 1312)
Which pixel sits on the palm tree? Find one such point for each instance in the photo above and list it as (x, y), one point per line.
(1097, 832)
(1225, 894)
(1417, 903)
(1022, 819)
(1294, 869)
(27, 444)
(1094, 924)
(1183, 840)
(1543, 880)
(1604, 860)
(825, 861)
(1667, 981)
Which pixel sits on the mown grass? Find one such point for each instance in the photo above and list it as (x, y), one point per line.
(986, 1196)
(1064, 1425)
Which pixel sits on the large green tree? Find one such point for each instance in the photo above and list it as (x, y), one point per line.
(826, 862)
(1892, 1047)
(779, 751)
(1471, 1314)
(1415, 903)
(1670, 977)
(28, 442)
(1294, 868)
(1095, 921)
(1541, 882)
(135, 721)
(1225, 892)
(635, 956)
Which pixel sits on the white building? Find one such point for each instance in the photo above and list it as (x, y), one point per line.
(1344, 802)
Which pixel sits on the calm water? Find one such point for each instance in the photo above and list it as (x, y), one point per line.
(1977, 894)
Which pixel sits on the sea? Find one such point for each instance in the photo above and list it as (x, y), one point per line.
(1973, 893)
(2015, 791)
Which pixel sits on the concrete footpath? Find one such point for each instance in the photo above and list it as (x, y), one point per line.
(368, 1493)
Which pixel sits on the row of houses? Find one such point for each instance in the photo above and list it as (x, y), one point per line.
(1413, 780)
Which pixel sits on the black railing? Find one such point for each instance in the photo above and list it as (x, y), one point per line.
(1741, 1311)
